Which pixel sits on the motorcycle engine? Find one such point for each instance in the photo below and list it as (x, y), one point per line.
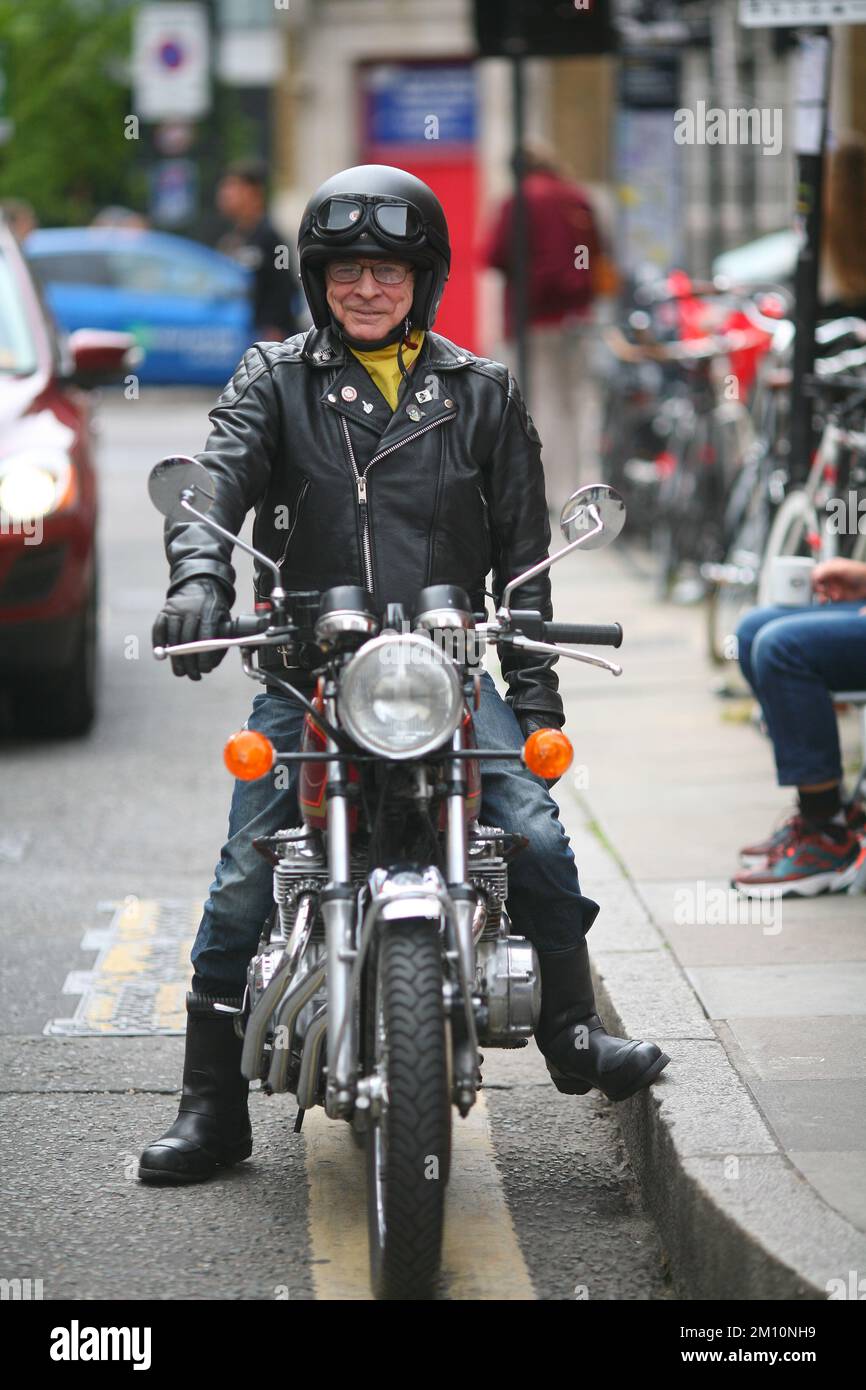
(507, 976)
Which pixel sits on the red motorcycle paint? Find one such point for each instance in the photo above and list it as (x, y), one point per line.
(313, 780)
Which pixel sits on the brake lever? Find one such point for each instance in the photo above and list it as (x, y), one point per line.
(218, 644)
(526, 644)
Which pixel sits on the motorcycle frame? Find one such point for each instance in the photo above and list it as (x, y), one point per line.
(349, 925)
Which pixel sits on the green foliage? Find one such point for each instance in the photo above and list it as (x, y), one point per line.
(64, 63)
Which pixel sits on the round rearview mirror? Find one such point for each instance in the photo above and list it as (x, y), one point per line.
(177, 479)
(591, 507)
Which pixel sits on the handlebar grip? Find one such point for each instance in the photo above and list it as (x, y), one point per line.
(245, 625)
(588, 634)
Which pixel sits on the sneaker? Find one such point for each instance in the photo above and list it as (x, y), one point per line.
(817, 859)
(755, 856)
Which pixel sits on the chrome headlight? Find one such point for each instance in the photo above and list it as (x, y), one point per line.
(400, 696)
(33, 483)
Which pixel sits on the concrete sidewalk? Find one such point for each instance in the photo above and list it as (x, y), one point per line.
(751, 1148)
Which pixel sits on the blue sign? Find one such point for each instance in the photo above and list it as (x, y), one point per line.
(173, 190)
(421, 104)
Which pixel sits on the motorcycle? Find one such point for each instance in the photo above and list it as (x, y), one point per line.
(389, 957)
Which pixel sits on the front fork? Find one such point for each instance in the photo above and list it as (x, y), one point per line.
(460, 939)
(340, 912)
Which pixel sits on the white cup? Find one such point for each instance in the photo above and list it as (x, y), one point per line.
(791, 581)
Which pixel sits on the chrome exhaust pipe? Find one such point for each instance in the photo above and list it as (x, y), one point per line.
(259, 1020)
(305, 917)
(314, 1040)
(300, 994)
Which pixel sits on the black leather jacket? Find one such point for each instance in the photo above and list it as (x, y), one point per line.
(442, 490)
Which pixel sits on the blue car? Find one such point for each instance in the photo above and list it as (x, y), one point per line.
(187, 306)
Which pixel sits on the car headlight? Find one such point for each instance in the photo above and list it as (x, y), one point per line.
(34, 483)
(400, 696)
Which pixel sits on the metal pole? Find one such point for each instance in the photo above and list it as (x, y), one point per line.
(520, 246)
(813, 61)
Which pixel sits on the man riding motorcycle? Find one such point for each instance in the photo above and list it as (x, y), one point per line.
(376, 453)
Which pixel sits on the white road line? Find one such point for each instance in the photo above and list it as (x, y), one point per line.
(481, 1257)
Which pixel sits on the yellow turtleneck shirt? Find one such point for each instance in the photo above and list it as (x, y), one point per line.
(384, 368)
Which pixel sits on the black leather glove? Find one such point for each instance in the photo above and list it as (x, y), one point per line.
(195, 612)
(529, 723)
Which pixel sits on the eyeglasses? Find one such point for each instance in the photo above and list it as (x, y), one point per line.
(346, 272)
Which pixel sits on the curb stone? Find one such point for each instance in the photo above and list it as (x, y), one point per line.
(736, 1218)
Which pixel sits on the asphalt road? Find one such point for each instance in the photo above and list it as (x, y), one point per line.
(543, 1203)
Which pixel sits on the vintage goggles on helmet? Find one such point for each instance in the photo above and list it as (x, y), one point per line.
(393, 219)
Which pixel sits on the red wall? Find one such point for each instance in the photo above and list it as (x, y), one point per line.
(452, 173)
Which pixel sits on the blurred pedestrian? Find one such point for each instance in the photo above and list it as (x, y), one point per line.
(20, 217)
(255, 242)
(566, 262)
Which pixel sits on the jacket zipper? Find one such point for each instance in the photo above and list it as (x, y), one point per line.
(361, 483)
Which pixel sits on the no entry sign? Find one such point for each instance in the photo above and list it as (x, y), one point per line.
(171, 62)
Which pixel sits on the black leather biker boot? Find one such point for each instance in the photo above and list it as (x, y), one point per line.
(212, 1128)
(579, 1051)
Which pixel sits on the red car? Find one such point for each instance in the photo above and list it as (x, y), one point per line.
(48, 505)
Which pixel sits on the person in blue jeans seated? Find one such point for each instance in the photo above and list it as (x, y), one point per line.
(794, 661)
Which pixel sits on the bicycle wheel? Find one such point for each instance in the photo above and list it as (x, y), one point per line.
(734, 594)
(796, 530)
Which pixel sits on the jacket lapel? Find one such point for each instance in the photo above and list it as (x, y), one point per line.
(422, 403)
(355, 395)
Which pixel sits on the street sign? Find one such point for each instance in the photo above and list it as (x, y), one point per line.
(758, 14)
(171, 62)
(400, 97)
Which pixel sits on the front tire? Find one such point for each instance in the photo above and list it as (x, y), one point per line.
(409, 1142)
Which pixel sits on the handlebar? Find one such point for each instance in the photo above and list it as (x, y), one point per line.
(587, 634)
(835, 330)
(660, 292)
(245, 625)
(843, 362)
(684, 351)
(252, 630)
(531, 624)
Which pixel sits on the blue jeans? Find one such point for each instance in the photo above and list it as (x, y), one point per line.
(793, 660)
(544, 899)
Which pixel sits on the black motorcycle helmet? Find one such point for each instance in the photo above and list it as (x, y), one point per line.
(375, 210)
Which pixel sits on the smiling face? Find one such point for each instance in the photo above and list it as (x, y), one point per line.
(365, 308)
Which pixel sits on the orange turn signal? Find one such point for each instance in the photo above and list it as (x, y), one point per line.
(548, 753)
(248, 755)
